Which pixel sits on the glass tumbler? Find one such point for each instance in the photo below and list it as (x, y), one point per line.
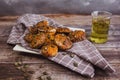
(100, 26)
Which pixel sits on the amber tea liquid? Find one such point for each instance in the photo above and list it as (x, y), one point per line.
(99, 31)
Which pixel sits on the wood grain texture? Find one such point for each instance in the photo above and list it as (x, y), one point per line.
(8, 57)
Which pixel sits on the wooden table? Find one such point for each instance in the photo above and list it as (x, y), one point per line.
(20, 66)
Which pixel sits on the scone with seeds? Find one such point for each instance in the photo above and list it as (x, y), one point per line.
(77, 35)
(42, 24)
(49, 50)
(33, 29)
(29, 37)
(38, 40)
(63, 41)
(47, 29)
(63, 30)
(49, 38)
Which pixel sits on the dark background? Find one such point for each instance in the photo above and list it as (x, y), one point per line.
(19, 7)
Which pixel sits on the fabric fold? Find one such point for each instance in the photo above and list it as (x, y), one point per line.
(88, 51)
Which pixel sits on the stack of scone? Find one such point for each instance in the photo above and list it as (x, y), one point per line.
(49, 38)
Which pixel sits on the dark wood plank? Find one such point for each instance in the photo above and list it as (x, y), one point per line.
(56, 72)
(64, 19)
(9, 72)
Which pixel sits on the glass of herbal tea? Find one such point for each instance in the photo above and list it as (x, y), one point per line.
(100, 26)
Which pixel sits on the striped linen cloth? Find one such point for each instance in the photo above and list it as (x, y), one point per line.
(80, 58)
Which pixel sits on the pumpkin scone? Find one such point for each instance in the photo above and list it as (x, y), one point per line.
(63, 41)
(49, 50)
(38, 40)
(77, 35)
(33, 29)
(42, 24)
(49, 38)
(63, 30)
(29, 37)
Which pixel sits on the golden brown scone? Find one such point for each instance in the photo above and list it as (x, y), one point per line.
(77, 35)
(47, 29)
(42, 24)
(63, 30)
(33, 30)
(49, 50)
(28, 37)
(42, 27)
(49, 38)
(51, 30)
(38, 40)
(63, 42)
